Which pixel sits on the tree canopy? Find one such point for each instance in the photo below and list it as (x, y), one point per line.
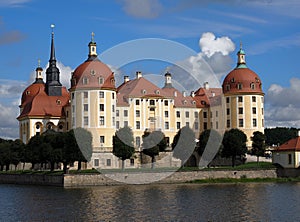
(123, 144)
(234, 144)
(258, 144)
(279, 135)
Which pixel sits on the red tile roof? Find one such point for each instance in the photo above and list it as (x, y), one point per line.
(36, 103)
(291, 145)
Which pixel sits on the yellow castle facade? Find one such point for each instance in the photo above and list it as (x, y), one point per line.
(95, 103)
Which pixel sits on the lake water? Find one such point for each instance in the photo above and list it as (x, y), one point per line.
(181, 202)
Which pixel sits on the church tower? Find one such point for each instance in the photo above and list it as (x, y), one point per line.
(53, 85)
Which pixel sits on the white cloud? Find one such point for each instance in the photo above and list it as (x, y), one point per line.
(283, 105)
(13, 3)
(209, 44)
(209, 65)
(142, 8)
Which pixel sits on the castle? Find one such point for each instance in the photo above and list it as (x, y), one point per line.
(95, 103)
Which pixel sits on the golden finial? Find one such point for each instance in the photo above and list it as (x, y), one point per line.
(39, 62)
(241, 45)
(52, 27)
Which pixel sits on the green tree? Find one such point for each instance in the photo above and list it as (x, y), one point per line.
(208, 147)
(17, 152)
(33, 150)
(153, 143)
(234, 144)
(183, 144)
(52, 149)
(279, 135)
(258, 144)
(83, 149)
(5, 155)
(123, 144)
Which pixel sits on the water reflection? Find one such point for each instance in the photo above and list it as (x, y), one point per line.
(226, 202)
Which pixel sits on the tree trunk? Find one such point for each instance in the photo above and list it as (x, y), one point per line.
(153, 162)
(257, 160)
(65, 168)
(1, 167)
(233, 160)
(52, 164)
(23, 165)
(123, 164)
(79, 166)
(7, 167)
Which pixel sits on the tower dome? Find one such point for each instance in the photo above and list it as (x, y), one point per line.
(242, 79)
(92, 73)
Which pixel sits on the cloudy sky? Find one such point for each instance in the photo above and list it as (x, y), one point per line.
(203, 35)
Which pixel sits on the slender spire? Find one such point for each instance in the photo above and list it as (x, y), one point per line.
(241, 63)
(38, 73)
(92, 48)
(53, 86)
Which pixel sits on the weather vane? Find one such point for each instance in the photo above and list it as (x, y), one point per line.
(241, 45)
(39, 62)
(93, 35)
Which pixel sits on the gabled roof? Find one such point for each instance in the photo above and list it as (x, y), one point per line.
(291, 145)
(180, 101)
(208, 97)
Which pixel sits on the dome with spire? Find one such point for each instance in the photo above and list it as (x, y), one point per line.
(93, 73)
(242, 79)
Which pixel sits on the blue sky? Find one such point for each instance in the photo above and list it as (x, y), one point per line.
(268, 29)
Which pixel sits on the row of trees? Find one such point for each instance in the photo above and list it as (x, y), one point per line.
(50, 148)
(210, 144)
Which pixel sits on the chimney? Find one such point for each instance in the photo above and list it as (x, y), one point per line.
(139, 74)
(206, 86)
(299, 133)
(192, 94)
(184, 93)
(126, 79)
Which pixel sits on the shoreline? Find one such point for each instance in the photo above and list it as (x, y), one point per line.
(123, 178)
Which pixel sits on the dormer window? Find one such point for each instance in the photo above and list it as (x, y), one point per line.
(252, 85)
(85, 81)
(144, 91)
(157, 92)
(101, 80)
(239, 85)
(27, 92)
(228, 87)
(232, 80)
(58, 102)
(93, 72)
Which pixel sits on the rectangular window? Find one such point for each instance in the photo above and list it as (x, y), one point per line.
(227, 100)
(102, 139)
(196, 115)
(85, 95)
(205, 126)
(262, 111)
(85, 107)
(86, 120)
(254, 110)
(228, 111)
(177, 125)
(73, 109)
(118, 124)
(108, 162)
(204, 115)
(217, 113)
(187, 124)
(228, 123)
(254, 123)
(240, 99)
(137, 113)
(137, 102)
(113, 95)
(187, 114)
(113, 108)
(125, 123)
(166, 114)
(101, 94)
(196, 125)
(138, 124)
(289, 158)
(178, 114)
(117, 113)
(152, 102)
(72, 95)
(217, 125)
(241, 122)
(125, 113)
(166, 125)
(113, 121)
(96, 162)
(131, 162)
(241, 110)
(85, 81)
(166, 103)
(101, 120)
(101, 107)
(101, 80)
(253, 99)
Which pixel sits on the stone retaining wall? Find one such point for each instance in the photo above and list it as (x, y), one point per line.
(77, 180)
